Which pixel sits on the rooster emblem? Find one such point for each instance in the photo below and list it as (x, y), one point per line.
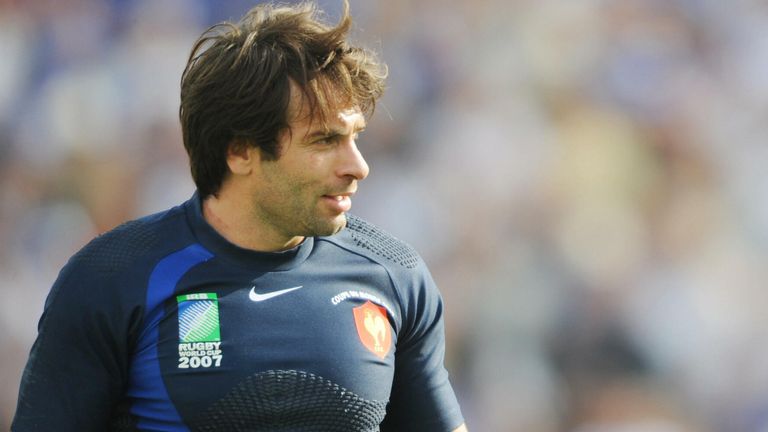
(376, 327)
(373, 328)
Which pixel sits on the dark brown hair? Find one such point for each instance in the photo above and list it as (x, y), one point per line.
(236, 86)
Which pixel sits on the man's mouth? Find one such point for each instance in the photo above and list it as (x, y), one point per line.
(339, 203)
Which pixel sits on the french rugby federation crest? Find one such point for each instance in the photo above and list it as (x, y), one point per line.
(373, 328)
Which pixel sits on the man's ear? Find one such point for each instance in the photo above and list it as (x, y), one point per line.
(242, 157)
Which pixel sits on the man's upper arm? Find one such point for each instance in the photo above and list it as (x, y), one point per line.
(422, 398)
(78, 364)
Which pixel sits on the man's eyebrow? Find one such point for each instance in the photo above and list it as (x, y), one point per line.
(334, 131)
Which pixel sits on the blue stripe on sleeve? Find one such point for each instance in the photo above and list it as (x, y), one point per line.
(151, 403)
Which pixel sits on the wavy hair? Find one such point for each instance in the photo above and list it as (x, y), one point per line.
(236, 85)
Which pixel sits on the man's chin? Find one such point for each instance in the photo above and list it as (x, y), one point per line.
(342, 223)
(339, 223)
(331, 226)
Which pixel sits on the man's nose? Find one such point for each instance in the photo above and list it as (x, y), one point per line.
(352, 163)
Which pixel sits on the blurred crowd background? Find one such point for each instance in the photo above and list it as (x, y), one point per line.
(588, 181)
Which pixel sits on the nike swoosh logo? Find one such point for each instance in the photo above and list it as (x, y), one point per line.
(254, 296)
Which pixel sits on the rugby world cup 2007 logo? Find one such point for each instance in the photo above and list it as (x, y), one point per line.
(199, 331)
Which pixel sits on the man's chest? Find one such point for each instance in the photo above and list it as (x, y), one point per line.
(275, 343)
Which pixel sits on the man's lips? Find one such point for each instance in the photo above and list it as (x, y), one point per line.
(341, 202)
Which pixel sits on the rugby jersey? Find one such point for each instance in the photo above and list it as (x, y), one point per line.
(163, 325)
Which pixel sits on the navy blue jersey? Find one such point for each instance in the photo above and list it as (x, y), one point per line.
(163, 325)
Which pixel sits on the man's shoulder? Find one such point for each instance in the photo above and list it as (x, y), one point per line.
(117, 248)
(365, 238)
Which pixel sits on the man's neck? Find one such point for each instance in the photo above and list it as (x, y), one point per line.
(235, 221)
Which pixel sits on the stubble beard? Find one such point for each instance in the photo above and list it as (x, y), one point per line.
(298, 216)
(315, 221)
(323, 228)
(309, 224)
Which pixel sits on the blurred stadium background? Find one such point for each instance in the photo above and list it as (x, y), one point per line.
(588, 181)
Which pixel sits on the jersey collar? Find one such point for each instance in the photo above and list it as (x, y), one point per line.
(216, 243)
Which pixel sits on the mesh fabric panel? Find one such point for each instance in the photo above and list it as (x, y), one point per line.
(291, 401)
(122, 421)
(376, 240)
(116, 249)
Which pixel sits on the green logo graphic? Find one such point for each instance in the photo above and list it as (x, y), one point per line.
(199, 318)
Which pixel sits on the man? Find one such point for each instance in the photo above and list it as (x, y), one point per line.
(259, 304)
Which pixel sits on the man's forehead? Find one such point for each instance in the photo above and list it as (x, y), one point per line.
(337, 114)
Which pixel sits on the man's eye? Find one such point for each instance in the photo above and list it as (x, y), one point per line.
(336, 138)
(331, 139)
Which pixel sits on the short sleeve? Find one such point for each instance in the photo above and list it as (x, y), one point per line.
(78, 365)
(422, 398)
